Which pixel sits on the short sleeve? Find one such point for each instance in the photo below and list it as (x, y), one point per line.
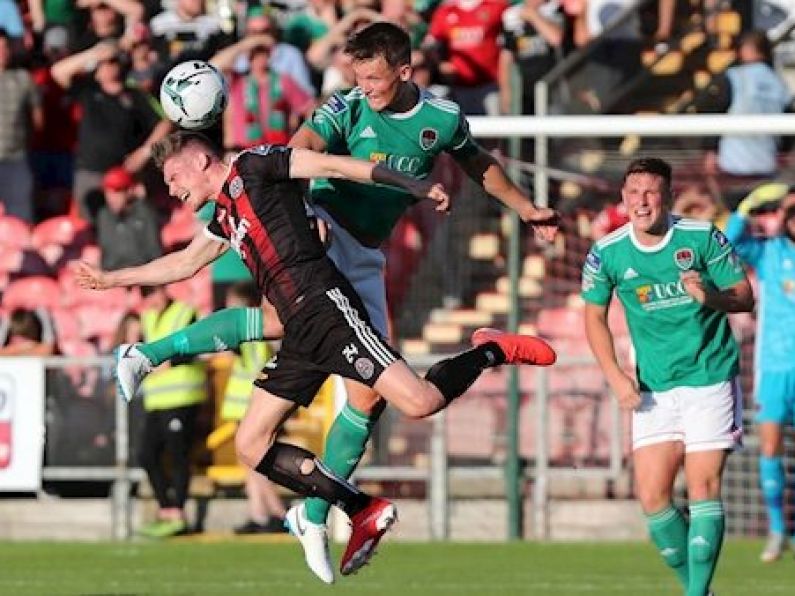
(597, 288)
(213, 228)
(265, 162)
(721, 261)
(462, 144)
(330, 120)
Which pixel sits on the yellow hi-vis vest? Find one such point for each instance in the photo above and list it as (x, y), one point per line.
(176, 386)
(246, 367)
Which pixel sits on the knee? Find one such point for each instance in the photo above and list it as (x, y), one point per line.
(251, 446)
(369, 403)
(704, 488)
(652, 501)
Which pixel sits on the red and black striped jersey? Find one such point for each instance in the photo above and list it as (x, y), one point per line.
(261, 213)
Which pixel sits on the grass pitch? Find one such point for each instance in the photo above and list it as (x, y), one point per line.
(231, 568)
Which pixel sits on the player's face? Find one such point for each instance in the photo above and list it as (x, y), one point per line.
(186, 180)
(379, 81)
(646, 198)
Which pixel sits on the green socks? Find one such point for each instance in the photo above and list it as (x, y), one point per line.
(222, 330)
(668, 530)
(705, 539)
(344, 448)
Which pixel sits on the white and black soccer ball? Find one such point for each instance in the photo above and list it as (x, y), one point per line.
(193, 94)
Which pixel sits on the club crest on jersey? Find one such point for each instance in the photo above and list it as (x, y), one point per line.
(365, 368)
(235, 187)
(428, 138)
(684, 258)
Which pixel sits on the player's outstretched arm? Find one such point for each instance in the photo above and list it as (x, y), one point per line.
(601, 341)
(169, 268)
(309, 164)
(482, 167)
(736, 298)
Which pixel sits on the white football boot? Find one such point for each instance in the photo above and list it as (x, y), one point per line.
(314, 539)
(774, 547)
(131, 368)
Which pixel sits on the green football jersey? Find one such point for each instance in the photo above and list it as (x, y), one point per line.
(678, 342)
(407, 142)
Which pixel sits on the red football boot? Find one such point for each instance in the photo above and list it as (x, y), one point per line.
(367, 528)
(518, 349)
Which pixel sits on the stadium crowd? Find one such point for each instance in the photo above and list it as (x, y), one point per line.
(78, 87)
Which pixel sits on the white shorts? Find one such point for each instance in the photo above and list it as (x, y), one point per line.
(703, 418)
(364, 268)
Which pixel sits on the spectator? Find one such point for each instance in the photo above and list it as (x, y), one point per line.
(127, 228)
(264, 106)
(750, 87)
(172, 396)
(186, 32)
(107, 104)
(20, 111)
(285, 57)
(697, 202)
(464, 34)
(311, 24)
(265, 509)
(11, 20)
(27, 333)
(45, 13)
(774, 261)
(104, 20)
(53, 146)
(533, 31)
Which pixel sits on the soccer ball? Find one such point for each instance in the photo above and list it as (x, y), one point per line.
(193, 94)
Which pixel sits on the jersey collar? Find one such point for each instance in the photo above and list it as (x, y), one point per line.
(654, 247)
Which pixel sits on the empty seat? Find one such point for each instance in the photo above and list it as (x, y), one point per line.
(561, 322)
(77, 348)
(30, 292)
(180, 229)
(62, 230)
(14, 232)
(67, 327)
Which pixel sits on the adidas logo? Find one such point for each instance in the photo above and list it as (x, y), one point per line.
(367, 133)
(219, 345)
(668, 552)
(699, 541)
(630, 273)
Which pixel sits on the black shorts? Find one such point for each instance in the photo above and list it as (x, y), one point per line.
(331, 334)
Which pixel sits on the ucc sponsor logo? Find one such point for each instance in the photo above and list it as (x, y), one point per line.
(662, 295)
(407, 164)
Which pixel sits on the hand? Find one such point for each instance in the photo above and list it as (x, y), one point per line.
(435, 192)
(626, 391)
(693, 285)
(104, 50)
(90, 277)
(545, 223)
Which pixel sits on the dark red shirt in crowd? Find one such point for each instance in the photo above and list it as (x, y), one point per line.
(470, 32)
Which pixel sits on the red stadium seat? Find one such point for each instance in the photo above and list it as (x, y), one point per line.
(14, 232)
(98, 321)
(180, 229)
(67, 327)
(77, 348)
(63, 230)
(561, 322)
(30, 292)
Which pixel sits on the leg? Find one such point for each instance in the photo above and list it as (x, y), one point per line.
(347, 439)
(655, 471)
(151, 457)
(223, 330)
(703, 470)
(450, 378)
(290, 466)
(772, 479)
(180, 425)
